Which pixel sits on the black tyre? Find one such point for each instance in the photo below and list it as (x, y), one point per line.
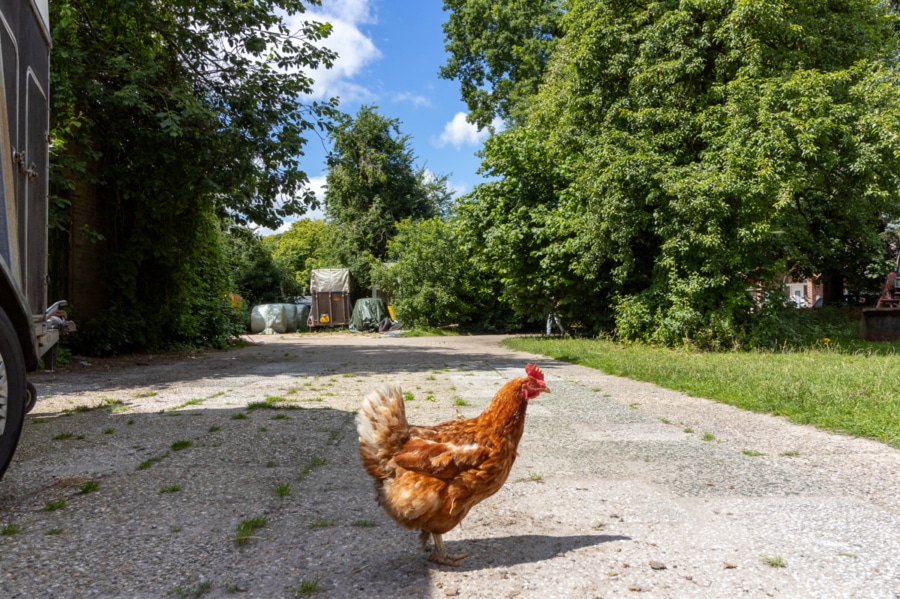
(12, 391)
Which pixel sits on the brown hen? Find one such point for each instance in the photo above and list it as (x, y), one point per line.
(428, 477)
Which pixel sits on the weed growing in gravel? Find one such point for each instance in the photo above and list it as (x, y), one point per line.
(130, 421)
(790, 454)
(179, 445)
(305, 588)
(261, 405)
(198, 590)
(459, 401)
(633, 405)
(665, 421)
(533, 477)
(315, 462)
(175, 529)
(850, 555)
(151, 461)
(364, 524)
(775, 562)
(283, 490)
(239, 416)
(118, 408)
(279, 417)
(38, 420)
(688, 429)
(322, 523)
(408, 396)
(270, 464)
(753, 453)
(145, 394)
(430, 397)
(108, 431)
(88, 487)
(9, 530)
(171, 489)
(190, 402)
(233, 587)
(63, 436)
(245, 529)
(55, 505)
(709, 437)
(54, 531)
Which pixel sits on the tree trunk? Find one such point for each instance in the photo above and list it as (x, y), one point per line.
(832, 288)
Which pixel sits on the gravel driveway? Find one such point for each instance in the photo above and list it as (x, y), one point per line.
(134, 476)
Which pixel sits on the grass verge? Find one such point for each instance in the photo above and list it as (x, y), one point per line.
(843, 390)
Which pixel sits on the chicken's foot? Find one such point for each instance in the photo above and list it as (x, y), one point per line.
(423, 538)
(440, 554)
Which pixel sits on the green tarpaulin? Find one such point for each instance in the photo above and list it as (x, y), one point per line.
(367, 314)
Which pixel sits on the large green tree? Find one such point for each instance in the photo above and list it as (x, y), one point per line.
(372, 184)
(175, 112)
(699, 147)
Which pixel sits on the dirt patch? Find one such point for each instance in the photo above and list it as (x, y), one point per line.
(135, 476)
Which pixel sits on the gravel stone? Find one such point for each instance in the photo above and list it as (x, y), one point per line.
(601, 482)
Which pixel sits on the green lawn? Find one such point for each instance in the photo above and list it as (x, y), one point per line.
(834, 388)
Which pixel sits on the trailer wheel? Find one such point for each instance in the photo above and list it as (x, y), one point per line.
(12, 391)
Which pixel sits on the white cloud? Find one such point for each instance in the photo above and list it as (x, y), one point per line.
(460, 132)
(458, 189)
(414, 99)
(317, 185)
(355, 50)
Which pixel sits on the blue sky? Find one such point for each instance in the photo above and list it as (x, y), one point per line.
(390, 52)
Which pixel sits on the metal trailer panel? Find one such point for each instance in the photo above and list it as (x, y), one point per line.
(24, 44)
(25, 61)
(330, 309)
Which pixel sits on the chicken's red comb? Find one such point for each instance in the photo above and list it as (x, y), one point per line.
(534, 372)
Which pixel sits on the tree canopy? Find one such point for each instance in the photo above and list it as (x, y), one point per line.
(176, 113)
(679, 153)
(372, 184)
(498, 51)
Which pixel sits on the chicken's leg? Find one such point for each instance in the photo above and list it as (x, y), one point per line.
(440, 554)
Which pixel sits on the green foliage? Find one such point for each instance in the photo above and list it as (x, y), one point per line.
(498, 51)
(307, 245)
(372, 185)
(193, 308)
(175, 114)
(680, 153)
(519, 227)
(255, 275)
(436, 281)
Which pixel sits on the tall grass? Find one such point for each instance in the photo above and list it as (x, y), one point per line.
(853, 388)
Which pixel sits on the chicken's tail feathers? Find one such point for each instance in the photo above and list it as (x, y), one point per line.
(383, 429)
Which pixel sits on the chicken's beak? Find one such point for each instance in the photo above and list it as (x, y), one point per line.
(545, 389)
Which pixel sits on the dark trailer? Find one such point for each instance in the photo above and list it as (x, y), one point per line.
(28, 329)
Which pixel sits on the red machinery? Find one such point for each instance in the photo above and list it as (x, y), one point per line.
(882, 323)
